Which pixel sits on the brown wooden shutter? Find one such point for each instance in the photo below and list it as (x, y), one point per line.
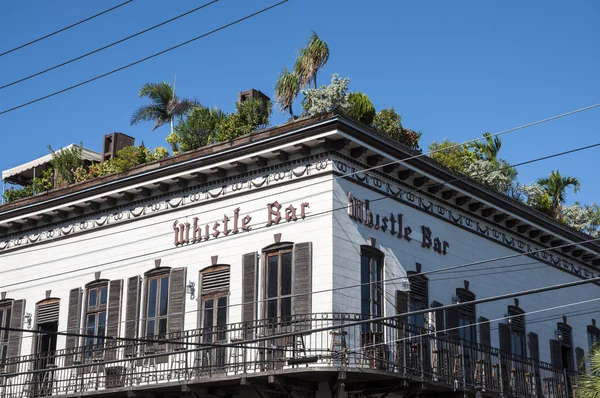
(402, 304)
(452, 323)
(505, 342)
(132, 312)
(73, 324)
(556, 354)
(580, 357)
(534, 347)
(14, 337)
(249, 286)
(401, 344)
(115, 296)
(177, 287)
(302, 287)
(440, 322)
(484, 332)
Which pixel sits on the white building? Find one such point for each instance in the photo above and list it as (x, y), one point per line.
(234, 269)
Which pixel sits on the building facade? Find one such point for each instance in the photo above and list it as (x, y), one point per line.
(275, 266)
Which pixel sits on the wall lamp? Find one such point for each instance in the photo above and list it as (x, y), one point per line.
(27, 319)
(191, 289)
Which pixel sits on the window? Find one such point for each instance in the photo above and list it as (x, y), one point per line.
(517, 330)
(278, 287)
(371, 279)
(214, 288)
(157, 305)
(95, 318)
(419, 286)
(466, 315)
(593, 336)
(5, 311)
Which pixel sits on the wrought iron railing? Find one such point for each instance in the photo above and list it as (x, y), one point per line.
(299, 342)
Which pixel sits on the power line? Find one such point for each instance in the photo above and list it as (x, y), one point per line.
(144, 59)
(109, 45)
(65, 28)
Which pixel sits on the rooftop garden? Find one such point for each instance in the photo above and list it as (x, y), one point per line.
(193, 126)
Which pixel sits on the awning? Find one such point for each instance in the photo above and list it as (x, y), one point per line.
(25, 172)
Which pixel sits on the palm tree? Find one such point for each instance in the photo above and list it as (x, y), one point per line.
(198, 129)
(164, 106)
(556, 186)
(311, 60)
(286, 90)
(489, 148)
(362, 108)
(588, 384)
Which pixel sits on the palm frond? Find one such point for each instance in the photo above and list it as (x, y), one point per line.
(159, 93)
(286, 90)
(147, 113)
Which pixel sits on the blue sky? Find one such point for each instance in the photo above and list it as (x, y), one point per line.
(452, 69)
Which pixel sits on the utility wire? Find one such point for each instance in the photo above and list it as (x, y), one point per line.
(109, 45)
(144, 59)
(65, 28)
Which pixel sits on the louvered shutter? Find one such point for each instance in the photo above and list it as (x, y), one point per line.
(115, 296)
(402, 322)
(302, 271)
(556, 354)
(505, 342)
(452, 323)
(214, 281)
(534, 347)
(15, 337)
(249, 286)
(440, 323)
(580, 356)
(73, 324)
(132, 313)
(177, 288)
(484, 332)
(48, 312)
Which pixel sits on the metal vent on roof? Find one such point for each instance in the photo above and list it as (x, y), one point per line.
(214, 281)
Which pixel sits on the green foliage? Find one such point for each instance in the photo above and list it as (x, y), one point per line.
(588, 384)
(251, 115)
(584, 218)
(38, 185)
(454, 156)
(388, 122)
(555, 185)
(362, 108)
(65, 161)
(495, 174)
(198, 129)
(286, 90)
(164, 105)
(537, 197)
(489, 149)
(327, 98)
(311, 59)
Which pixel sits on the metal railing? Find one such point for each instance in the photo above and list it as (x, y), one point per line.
(291, 343)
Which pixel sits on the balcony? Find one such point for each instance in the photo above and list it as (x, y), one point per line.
(310, 348)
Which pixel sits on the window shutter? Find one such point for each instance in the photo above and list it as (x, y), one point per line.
(452, 323)
(132, 313)
(556, 354)
(113, 320)
(401, 308)
(484, 332)
(505, 344)
(14, 337)
(402, 304)
(534, 347)
(302, 300)
(73, 324)
(177, 300)
(580, 356)
(249, 278)
(440, 322)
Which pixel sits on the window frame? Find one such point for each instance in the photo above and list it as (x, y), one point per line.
(423, 301)
(215, 296)
(157, 275)
(593, 331)
(278, 252)
(466, 315)
(5, 318)
(375, 287)
(517, 330)
(93, 347)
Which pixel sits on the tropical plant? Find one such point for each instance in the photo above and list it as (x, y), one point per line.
(362, 108)
(495, 174)
(65, 161)
(251, 115)
(588, 385)
(311, 59)
(537, 197)
(488, 149)
(388, 122)
(584, 218)
(164, 107)
(197, 129)
(454, 156)
(286, 91)
(334, 97)
(556, 186)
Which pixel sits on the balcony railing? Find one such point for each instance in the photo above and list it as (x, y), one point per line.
(293, 344)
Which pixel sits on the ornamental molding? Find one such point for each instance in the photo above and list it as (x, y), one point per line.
(181, 199)
(453, 215)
